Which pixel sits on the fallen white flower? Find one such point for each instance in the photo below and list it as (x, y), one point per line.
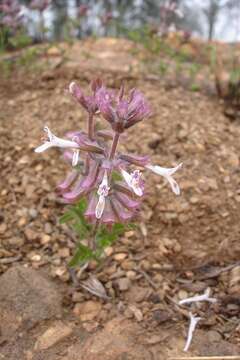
(167, 174)
(193, 323)
(204, 297)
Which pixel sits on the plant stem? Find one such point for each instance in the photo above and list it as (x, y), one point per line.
(42, 27)
(92, 241)
(114, 145)
(91, 126)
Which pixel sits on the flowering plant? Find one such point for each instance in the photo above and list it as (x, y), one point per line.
(101, 174)
(169, 13)
(10, 14)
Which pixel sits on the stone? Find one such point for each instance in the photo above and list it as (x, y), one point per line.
(124, 284)
(52, 336)
(16, 241)
(88, 310)
(3, 228)
(26, 297)
(182, 294)
(48, 228)
(131, 275)
(108, 251)
(128, 265)
(64, 253)
(120, 257)
(117, 340)
(30, 234)
(45, 239)
(137, 294)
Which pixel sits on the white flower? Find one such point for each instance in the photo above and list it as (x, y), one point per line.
(193, 323)
(54, 141)
(167, 173)
(204, 297)
(133, 181)
(102, 193)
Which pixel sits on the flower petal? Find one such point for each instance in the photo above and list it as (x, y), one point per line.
(75, 157)
(100, 207)
(133, 181)
(43, 147)
(167, 173)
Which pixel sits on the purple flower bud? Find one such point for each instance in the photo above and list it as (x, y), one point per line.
(84, 185)
(39, 5)
(65, 185)
(135, 159)
(106, 18)
(88, 102)
(121, 113)
(82, 10)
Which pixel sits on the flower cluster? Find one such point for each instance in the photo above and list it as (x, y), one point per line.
(40, 5)
(10, 17)
(82, 10)
(99, 171)
(169, 11)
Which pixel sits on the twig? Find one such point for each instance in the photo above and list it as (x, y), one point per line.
(236, 357)
(10, 260)
(147, 277)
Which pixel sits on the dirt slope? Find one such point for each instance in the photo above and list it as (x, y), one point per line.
(181, 239)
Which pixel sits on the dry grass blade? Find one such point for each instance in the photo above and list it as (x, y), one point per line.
(94, 286)
(235, 357)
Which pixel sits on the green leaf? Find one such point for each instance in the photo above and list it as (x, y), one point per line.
(116, 176)
(106, 237)
(81, 256)
(66, 217)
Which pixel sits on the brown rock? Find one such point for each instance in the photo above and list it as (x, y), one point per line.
(137, 293)
(124, 284)
(52, 336)
(88, 310)
(120, 257)
(116, 341)
(26, 296)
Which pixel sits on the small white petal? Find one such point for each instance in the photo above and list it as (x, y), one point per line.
(163, 171)
(71, 87)
(100, 207)
(193, 323)
(75, 157)
(54, 141)
(167, 173)
(127, 177)
(132, 183)
(138, 191)
(174, 185)
(43, 147)
(203, 297)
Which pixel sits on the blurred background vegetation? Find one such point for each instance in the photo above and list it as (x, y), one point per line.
(34, 21)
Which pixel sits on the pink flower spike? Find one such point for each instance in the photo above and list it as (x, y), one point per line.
(133, 181)
(102, 193)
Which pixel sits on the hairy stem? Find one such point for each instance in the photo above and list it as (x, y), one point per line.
(114, 145)
(91, 126)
